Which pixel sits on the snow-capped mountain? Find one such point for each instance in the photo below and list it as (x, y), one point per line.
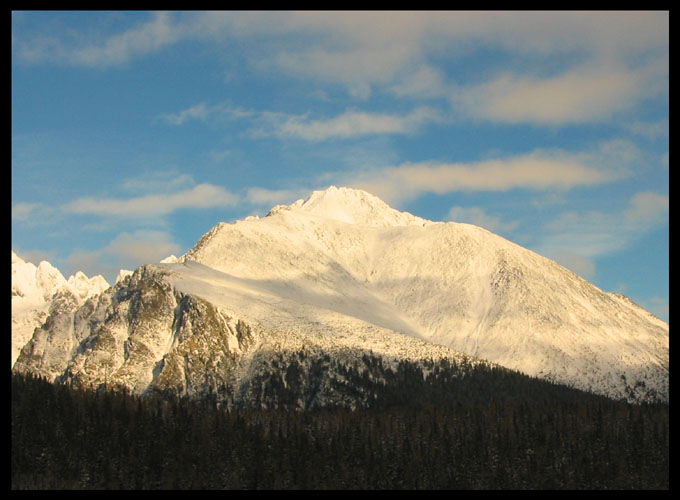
(339, 274)
(34, 290)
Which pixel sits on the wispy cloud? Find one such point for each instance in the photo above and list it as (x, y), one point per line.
(204, 112)
(401, 52)
(588, 93)
(34, 214)
(348, 48)
(588, 234)
(426, 82)
(357, 68)
(344, 34)
(126, 251)
(355, 123)
(79, 50)
(647, 208)
(198, 112)
(349, 124)
(154, 205)
(157, 182)
(579, 237)
(649, 130)
(26, 211)
(537, 170)
(152, 197)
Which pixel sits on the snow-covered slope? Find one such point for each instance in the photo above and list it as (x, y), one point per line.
(451, 284)
(342, 272)
(34, 290)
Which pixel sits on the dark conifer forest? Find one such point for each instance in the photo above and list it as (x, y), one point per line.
(488, 429)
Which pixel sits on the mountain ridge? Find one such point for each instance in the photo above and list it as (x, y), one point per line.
(34, 289)
(343, 268)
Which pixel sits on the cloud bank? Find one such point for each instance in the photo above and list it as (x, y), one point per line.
(609, 61)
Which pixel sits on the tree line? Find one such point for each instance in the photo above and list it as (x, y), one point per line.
(489, 429)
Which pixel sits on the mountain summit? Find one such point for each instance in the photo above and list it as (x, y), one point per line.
(341, 273)
(352, 206)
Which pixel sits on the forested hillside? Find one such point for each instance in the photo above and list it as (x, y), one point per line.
(496, 429)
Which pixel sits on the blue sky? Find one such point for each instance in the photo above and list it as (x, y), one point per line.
(134, 133)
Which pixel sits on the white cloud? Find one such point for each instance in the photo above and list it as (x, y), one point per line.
(358, 68)
(350, 124)
(527, 32)
(364, 49)
(166, 181)
(546, 33)
(587, 234)
(355, 123)
(35, 215)
(402, 52)
(154, 205)
(575, 236)
(650, 130)
(78, 49)
(198, 112)
(647, 208)
(25, 211)
(538, 170)
(139, 41)
(425, 82)
(588, 93)
(204, 112)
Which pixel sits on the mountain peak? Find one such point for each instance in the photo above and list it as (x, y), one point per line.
(351, 206)
(170, 259)
(84, 287)
(342, 195)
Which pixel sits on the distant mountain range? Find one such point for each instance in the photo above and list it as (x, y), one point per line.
(331, 281)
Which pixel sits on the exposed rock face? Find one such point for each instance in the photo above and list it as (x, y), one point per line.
(152, 333)
(147, 336)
